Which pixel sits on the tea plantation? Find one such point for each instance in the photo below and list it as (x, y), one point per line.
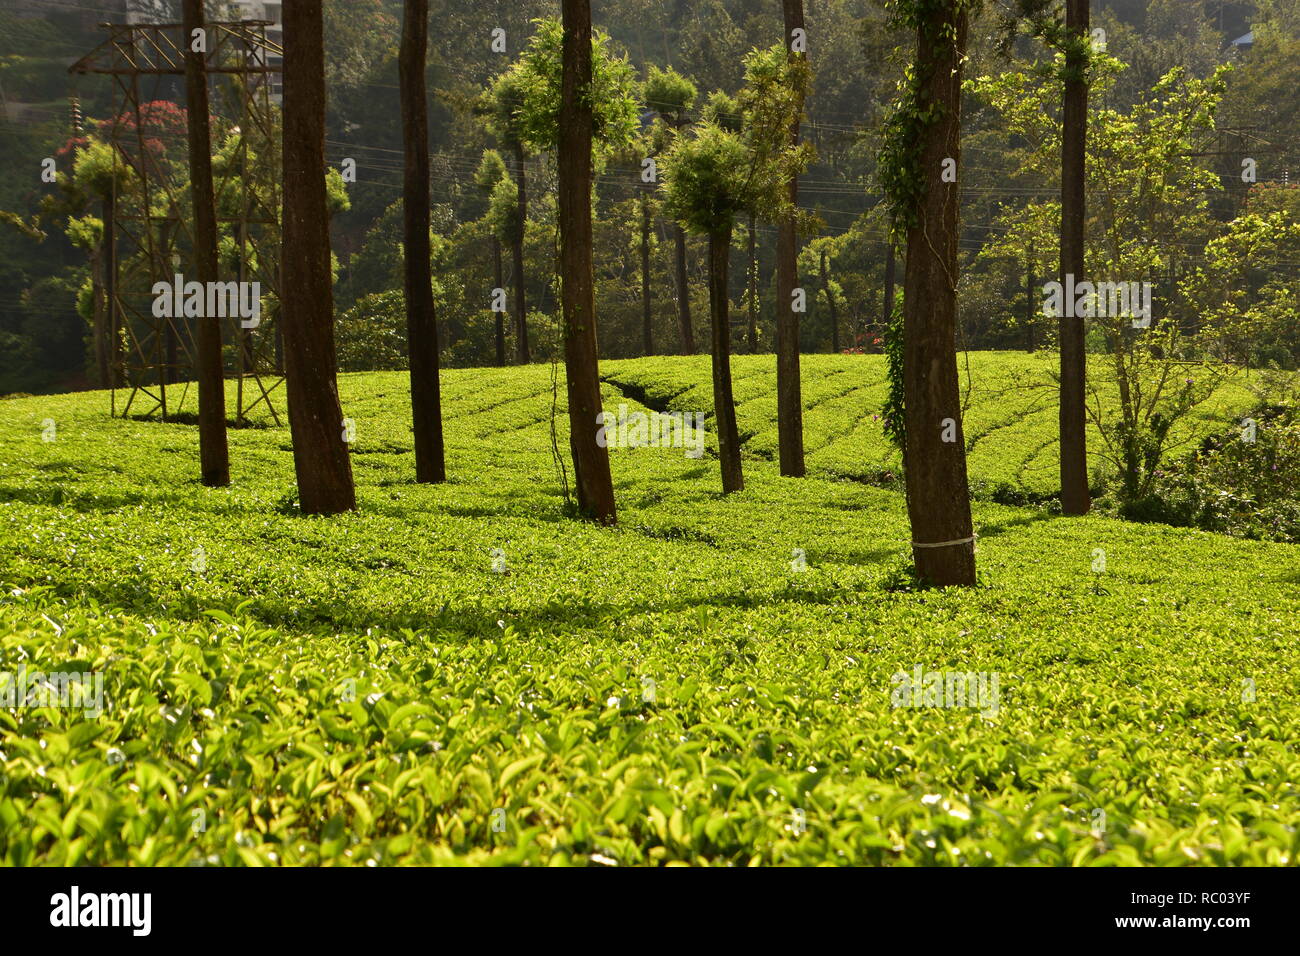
(464, 673)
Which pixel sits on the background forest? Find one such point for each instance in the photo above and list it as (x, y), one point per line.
(1165, 110)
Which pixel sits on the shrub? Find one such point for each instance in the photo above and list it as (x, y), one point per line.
(1235, 483)
(371, 336)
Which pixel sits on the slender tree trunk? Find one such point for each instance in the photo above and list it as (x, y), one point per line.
(421, 319)
(517, 249)
(592, 478)
(830, 303)
(1075, 498)
(646, 326)
(683, 290)
(214, 456)
(724, 407)
(1029, 306)
(789, 399)
(1129, 416)
(753, 288)
(320, 455)
(500, 316)
(938, 496)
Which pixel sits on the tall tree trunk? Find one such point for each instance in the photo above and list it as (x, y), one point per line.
(646, 327)
(724, 406)
(320, 455)
(592, 478)
(1075, 498)
(830, 302)
(683, 290)
(421, 320)
(500, 316)
(522, 355)
(214, 456)
(752, 296)
(789, 399)
(938, 496)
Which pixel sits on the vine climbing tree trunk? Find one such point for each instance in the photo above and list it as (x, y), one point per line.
(938, 495)
(320, 454)
(421, 319)
(214, 454)
(592, 478)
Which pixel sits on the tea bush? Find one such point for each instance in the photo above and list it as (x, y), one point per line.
(461, 673)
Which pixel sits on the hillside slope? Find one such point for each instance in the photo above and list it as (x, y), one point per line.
(464, 673)
(1009, 414)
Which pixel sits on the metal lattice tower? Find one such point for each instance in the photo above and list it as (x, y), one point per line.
(148, 225)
